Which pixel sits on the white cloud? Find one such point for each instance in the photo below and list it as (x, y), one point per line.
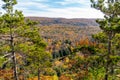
(66, 12)
(85, 2)
(1, 10)
(72, 12)
(32, 4)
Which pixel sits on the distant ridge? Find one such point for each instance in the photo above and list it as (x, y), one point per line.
(46, 21)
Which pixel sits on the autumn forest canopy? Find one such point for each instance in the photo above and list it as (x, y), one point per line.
(41, 48)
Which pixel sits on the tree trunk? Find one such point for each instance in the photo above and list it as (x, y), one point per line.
(38, 73)
(13, 55)
(108, 57)
(15, 67)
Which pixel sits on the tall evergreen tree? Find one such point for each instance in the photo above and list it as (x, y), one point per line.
(8, 6)
(20, 39)
(110, 24)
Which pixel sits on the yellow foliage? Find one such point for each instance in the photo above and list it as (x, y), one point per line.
(46, 78)
(58, 63)
(55, 77)
(71, 48)
(66, 60)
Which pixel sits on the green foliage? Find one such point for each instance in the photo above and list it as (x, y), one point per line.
(96, 73)
(116, 42)
(85, 49)
(91, 61)
(64, 50)
(59, 70)
(8, 6)
(110, 27)
(111, 11)
(22, 37)
(100, 37)
(2, 60)
(49, 72)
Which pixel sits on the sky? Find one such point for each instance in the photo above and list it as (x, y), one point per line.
(57, 8)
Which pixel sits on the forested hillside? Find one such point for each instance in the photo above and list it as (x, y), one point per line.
(44, 21)
(41, 48)
(58, 33)
(59, 29)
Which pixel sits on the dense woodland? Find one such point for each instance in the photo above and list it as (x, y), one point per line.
(36, 48)
(44, 21)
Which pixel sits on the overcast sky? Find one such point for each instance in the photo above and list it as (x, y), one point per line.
(57, 8)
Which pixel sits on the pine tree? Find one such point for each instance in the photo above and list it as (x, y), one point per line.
(21, 43)
(8, 6)
(110, 25)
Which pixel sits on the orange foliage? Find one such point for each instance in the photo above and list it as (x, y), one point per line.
(63, 77)
(85, 41)
(82, 74)
(6, 74)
